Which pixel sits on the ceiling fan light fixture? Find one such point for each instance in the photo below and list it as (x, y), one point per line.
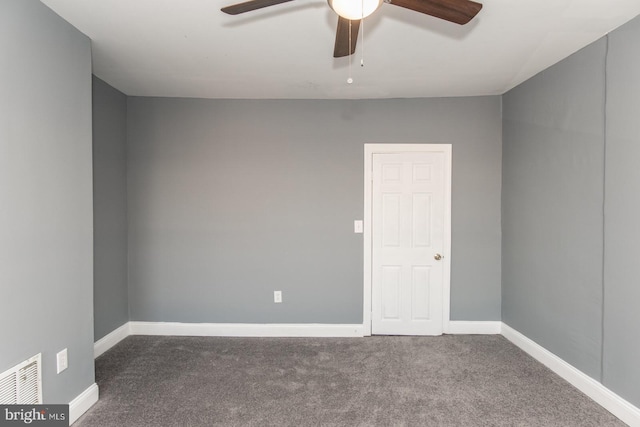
(354, 9)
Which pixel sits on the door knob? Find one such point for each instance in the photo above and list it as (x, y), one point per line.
(437, 257)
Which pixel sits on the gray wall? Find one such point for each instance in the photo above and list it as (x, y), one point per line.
(46, 243)
(552, 208)
(110, 292)
(622, 215)
(570, 229)
(229, 200)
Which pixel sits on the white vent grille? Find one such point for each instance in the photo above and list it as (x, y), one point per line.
(22, 384)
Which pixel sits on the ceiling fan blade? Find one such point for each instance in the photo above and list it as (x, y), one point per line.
(248, 6)
(458, 11)
(342, 47)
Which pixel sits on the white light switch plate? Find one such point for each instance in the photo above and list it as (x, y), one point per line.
(358, 226)
(62, 360)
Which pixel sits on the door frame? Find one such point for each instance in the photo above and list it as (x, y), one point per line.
(369, 151)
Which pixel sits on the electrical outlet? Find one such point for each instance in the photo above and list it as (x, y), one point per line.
(63, 360)
(277, 296)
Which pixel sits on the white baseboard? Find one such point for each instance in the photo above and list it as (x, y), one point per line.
(267, 330)
(615, 404)
(463, 327)
(111, 339)
(83, 402)
(246, 329)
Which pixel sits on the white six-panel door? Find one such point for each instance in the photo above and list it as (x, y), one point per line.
(408, 229)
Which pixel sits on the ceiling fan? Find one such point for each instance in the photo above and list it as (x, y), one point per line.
(351, 12)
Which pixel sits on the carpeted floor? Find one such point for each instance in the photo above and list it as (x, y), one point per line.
(463, 380)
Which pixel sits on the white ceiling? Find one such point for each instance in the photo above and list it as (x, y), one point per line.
(188, 48)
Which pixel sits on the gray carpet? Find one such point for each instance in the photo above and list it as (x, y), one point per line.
(461, 380)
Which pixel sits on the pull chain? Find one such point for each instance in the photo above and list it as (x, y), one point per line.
(350, 79)
(362, 36)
